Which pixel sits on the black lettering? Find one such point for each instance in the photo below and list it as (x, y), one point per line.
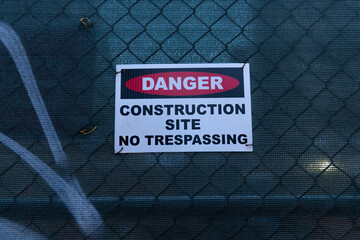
(231, 138)
(212, 108)
(134, 140)
(149, 137)
(216, 139)
(206, 139)
(187, 110)
(196, 140)
(178, 140)
(158, 110)
(240, 109)
(187, 138)
(185, 121)
(134, 111)
(159, 139)
(195, 124)
(168, 109)
(199, 111)
(228, 109)
(123, 140)
(122, 110)
(179, 109)
(170, 124)
(169, 140)
(147, 110)
(242, 139)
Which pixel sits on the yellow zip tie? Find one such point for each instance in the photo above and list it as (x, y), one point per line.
(84, 131)
(82, 20)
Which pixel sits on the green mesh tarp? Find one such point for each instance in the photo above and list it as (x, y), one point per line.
(301, 181)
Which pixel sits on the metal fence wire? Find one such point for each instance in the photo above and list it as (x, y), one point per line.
(301, 181)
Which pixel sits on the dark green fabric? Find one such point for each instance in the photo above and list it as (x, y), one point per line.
(301, 181)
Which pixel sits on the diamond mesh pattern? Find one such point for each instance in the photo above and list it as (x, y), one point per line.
(302, 180)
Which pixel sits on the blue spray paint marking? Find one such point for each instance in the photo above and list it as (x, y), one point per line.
(69, 190)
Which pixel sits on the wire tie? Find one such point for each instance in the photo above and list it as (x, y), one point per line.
(82, 20)
(118, 72)
(248, 145)
(243, 65)
(120, 150)
(84, 131)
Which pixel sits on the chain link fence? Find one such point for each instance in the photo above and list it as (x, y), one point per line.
(301, 181)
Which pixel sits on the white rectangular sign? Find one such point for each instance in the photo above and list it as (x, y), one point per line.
(183, 108)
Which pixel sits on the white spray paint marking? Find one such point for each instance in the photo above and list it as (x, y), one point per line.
(11, 230)
(85, 214)
(69, 190)
(13, 44)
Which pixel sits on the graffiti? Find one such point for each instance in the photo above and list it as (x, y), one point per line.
(11, 230)
(67, 188)
(13, 44)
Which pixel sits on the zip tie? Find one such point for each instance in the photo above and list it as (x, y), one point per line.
(85, 131)
(119, 151)
(118, 72)
(248, 145)
(82, 20)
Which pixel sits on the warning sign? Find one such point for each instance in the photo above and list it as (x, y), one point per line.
(183, 108)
